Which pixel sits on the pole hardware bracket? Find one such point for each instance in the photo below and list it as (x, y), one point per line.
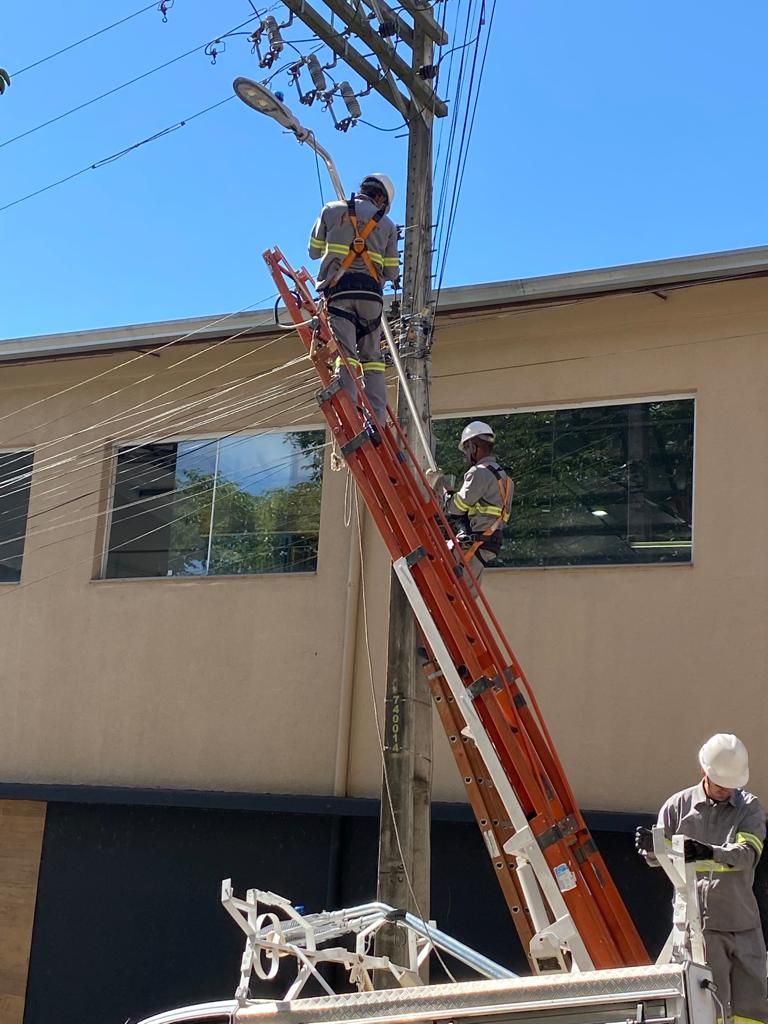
(560, 830)
(326, 394)
(355, 443)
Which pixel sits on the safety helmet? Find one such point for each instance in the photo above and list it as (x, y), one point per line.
(725, 761)
(383, 182)
(476, 429)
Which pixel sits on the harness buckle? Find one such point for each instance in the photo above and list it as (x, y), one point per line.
(358, 246)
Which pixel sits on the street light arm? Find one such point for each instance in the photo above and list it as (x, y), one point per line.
(325, 156)
(259, 98)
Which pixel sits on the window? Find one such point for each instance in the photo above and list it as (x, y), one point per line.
(229, 507)
(593, 486)
(15, 478)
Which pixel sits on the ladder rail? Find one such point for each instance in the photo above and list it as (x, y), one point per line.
(490, 692)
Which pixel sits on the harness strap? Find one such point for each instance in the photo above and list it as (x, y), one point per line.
(362, 326)
(505, 491)
(357, 248)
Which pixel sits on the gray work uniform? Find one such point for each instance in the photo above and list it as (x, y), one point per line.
(733, 937)
(355, 301)
(481, 502)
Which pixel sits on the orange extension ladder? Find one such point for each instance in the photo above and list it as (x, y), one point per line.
(564, 903)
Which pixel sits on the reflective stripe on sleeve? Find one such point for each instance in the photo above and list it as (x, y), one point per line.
(706, 867)
(752, 840)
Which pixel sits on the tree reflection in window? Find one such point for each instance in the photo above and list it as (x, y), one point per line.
(231, 506)
(610, 484)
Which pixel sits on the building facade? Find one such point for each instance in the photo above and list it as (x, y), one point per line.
(186, 663)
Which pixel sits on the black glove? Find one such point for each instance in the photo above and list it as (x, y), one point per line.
(694, 850)
(643, 841)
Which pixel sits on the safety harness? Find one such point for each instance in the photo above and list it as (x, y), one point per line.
(357, 247)
(505, 493)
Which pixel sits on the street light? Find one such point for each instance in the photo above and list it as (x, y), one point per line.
(258, 97)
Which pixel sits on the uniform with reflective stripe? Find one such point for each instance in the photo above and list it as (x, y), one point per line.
(477, 501)
(481, 507)
(334, 233)
(735, 829)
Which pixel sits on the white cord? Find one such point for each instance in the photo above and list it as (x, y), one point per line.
(380, 736)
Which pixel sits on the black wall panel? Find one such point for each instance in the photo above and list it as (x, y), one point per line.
(128, 918)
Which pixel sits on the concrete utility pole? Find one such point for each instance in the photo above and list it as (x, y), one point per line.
(404, 831)
(404, 838)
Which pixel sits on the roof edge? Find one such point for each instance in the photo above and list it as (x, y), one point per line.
(680, 271)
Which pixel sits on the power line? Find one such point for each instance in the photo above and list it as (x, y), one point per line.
(194, 421)
(68, 455)
(114, 156)
(127, 362)
(90, 558)
(301, 392)
(276, 394)
(118, 88)
(469, 130)
(85, 39)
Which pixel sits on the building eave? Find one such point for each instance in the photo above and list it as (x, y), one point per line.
(633, 277)
(684, 271)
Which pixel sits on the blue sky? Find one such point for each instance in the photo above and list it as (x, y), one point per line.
(606, 133)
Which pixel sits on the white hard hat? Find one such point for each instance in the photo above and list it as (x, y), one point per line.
(477, 428)
(386, 183)
(725, 761)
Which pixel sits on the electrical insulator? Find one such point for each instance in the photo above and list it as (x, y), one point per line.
(387, 29)
(350, 100)
(316, 73)
(428, 71)
(273, 34)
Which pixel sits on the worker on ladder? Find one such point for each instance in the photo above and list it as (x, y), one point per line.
(357, 243)
(480, 508)
(724, 827)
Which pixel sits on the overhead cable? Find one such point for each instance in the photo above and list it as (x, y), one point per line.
(118, 88)
(302, 391)
(152, 429)
(68, 455)
(162, 526)
(127, 362)
(115, 156)
(85, 39)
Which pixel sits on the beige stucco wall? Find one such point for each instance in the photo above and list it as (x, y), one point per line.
(236, 683)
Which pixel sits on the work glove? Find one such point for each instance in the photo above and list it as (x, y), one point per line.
(643, 841)
(694, 850)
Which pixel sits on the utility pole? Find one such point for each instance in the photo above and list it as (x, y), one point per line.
(404, 837)
(404, 831)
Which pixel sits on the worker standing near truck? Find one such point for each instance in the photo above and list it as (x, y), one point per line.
(724, 826)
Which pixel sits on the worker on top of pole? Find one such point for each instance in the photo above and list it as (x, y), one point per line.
(357, 243)
(724, 826)
(480, 508)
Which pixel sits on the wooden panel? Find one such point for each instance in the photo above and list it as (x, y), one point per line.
(21, 837)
